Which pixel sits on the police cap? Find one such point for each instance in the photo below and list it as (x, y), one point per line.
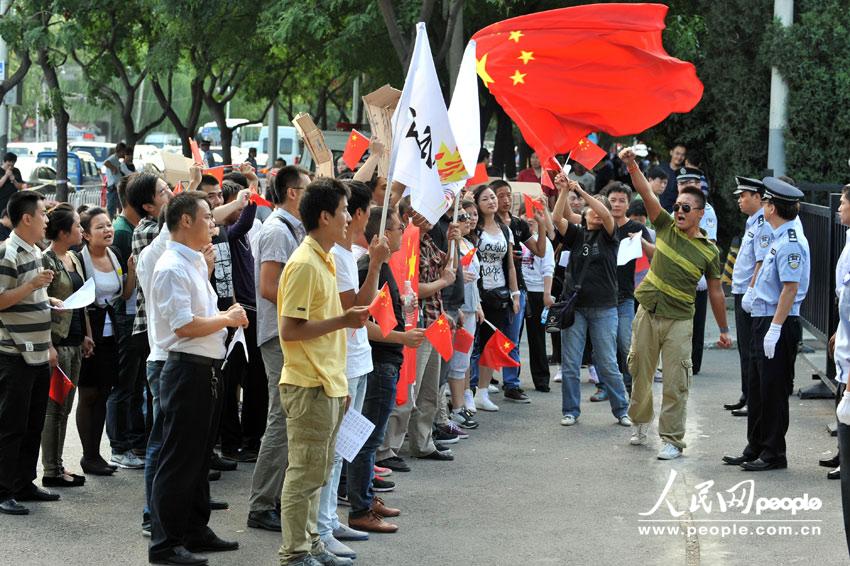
(778, 190)
(749, 185)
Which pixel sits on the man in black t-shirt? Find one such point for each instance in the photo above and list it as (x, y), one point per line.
(11, 181)
(367, 511)
(620, 196)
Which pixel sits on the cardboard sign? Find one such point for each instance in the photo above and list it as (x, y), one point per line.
(176, 167)
(380, 106)
(315, 142)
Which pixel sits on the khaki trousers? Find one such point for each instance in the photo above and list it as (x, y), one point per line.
(653, 335)
(312, 423)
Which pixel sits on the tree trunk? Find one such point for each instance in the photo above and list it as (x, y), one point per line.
(187, 129)
(60, 115)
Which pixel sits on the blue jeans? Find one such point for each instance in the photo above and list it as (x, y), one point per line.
(377, 407)
(125, 422)
(155, 437)
(112, 203)
(625, 317)
(602, 323)
(328, 520)
(513, 330)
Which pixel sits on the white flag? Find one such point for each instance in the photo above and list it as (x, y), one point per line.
(464, 112)
(425, 156)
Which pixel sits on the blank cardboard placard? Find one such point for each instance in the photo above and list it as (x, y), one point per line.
(315, 142)
(176, 167)
(380, 106)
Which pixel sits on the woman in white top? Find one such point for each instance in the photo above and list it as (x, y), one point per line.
(99, 370)
(498, 284)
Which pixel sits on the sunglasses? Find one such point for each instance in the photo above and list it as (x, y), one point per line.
(463, 218)
(684, 207)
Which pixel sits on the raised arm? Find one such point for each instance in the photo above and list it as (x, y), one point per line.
(596, 206)
(639, 182)
(563, 214)
(376, 151)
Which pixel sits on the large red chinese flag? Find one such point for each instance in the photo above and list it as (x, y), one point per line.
(382, 311)
(60, 386)
(405, 267)
(496, 353)
(355, 147)
(563, 73)
(439, 334)
(587, 153)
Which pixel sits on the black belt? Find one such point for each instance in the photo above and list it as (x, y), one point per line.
(195, 359)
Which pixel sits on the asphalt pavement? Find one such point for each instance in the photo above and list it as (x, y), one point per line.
(525, 490)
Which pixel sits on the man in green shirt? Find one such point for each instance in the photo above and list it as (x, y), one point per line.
(664, 321)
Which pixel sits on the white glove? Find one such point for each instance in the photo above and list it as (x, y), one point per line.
(770, 340)
(843, 410)
(747, 300)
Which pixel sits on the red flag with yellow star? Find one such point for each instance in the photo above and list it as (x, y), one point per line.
(382, 311)
(587, 153)
(405, 267)
(355, 147)
(60, 386)
(439, 334)
(563, 73)
(468, 257)
(496, 353)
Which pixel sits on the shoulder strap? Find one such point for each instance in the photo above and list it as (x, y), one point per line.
(290, 226)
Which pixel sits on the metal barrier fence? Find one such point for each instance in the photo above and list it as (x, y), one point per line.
(826, 238)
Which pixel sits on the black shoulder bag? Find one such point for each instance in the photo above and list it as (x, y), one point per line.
(563, 313)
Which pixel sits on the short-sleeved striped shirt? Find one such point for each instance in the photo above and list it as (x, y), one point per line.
(144, 233)
(669, 289)
(25, 326)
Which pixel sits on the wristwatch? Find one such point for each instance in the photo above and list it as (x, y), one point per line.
(724, 330)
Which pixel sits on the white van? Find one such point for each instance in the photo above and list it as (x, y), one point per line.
(288, 145)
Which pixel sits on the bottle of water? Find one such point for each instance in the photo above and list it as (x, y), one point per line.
(544, 315)
(408, 305)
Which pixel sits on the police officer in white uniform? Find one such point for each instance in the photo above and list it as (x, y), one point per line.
(750, 256)
(780, 287)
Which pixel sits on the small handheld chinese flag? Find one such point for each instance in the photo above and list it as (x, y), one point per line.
(531, 205)
(178, 188)
(60, 386)
(587, 153)
(496, 353)
(440, 336)
(382, 311)
(217, 172)
(196, 152)
(467, 257)
(355, 147)
(463, 340)
(260, 201)
(480, 177)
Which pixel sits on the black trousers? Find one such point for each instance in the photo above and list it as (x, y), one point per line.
(844, 461)
(771, 382)
(251, 376)
(536, 340)
(190, 394)
(24, 392)
(744, 336)
(700, 307)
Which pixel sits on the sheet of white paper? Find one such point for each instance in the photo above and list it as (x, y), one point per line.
(629, 249)
(564, 259)
(82, 298)
(238, 338)
(353, 434)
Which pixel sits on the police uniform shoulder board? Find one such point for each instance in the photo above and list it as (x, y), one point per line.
(792, 235)
(760, 221)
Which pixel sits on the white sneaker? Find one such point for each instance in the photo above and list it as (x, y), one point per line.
(557, 378)
(568, 420)
(669, 452)
(492, 388)
(624, 421)
(469, 401)
(483, 402)
(128, 461)
(337, 548)
(639, 434)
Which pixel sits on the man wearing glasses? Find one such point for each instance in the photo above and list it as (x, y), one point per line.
(664, 321)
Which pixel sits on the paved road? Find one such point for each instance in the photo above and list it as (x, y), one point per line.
(522, 490)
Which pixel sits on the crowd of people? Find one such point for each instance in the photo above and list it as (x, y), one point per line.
(178, 277)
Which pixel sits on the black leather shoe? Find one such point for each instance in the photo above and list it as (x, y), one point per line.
(760, 465)
(96, 468)
(222, 464)
(268, 520)
(75, 481)
(178, 555)
(834, 474)
(216, 505)
(395, 463)
(34, 493)
(829, 462)
(733, 406)
(740, 412)
(12, 507)
(736, 460)
(441, 456)
(214, 475)
(212, 544)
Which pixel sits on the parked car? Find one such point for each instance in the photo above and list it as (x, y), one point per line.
(37, 175)
(99, 150)
(162, 139)
(84, 177)
(30, 149)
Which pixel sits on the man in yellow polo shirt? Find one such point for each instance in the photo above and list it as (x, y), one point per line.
(313, 386)
(664, 321)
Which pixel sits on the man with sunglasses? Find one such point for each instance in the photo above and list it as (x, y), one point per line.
(664, 321)
(779, 289)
